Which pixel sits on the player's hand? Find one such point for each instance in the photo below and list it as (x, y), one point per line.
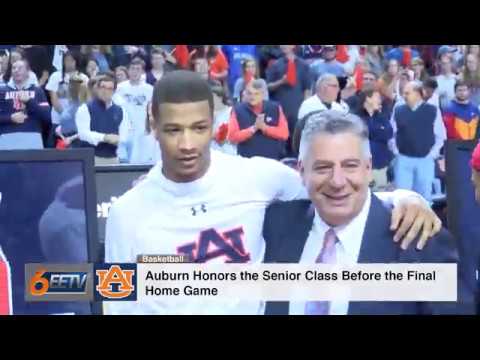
(411, 217)
(18, 117)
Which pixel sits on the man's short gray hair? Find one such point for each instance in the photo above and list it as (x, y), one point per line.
(260, 84)
(416, 86)
(323, 78)
(333, 122)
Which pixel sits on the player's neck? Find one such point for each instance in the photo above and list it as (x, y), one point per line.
(173, 176)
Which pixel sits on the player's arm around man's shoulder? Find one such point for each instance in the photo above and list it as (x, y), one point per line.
(411, 215)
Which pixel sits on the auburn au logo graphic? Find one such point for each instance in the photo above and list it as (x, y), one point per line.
(116, 282)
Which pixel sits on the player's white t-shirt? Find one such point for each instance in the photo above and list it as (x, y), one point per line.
(134, 99)
(220, 215)
(163, 217)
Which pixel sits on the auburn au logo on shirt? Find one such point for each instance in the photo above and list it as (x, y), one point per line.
(212, 244)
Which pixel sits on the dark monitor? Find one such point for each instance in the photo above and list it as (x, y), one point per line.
(47, 214)
(112, 182)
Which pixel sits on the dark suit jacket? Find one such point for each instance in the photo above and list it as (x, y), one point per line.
(286, 229)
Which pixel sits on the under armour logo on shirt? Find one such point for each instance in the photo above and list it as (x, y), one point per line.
(195, 210)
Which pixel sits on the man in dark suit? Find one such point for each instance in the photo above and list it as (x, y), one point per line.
(344, 223)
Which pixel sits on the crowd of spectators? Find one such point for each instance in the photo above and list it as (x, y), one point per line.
(411, 97)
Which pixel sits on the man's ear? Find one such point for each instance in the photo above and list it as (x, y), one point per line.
(370, 170)
(301, 170)
(154, 127)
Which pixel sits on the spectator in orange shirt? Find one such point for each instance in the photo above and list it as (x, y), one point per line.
(212, 64)
(258, 126)
(461, 116)
(218, 64)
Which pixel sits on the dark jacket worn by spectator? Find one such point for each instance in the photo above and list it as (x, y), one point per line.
(415, 135)
(36, 108)
(290, 97)
(102, 120)
(268, 143)
(380, 131)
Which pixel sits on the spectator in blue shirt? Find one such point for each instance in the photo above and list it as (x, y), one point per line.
(329, 64)
(398, 53)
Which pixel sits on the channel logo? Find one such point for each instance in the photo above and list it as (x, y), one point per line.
(58, 282)
(47, 282)
(115, 282)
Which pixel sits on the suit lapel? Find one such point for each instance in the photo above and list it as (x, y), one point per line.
(291, 252)
(294, 244)
(377, 242)
(377, 247)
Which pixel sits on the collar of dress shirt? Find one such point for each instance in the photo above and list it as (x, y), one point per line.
(349, 235)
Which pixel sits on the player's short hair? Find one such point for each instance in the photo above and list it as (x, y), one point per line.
(179, 87)
(333, 122)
